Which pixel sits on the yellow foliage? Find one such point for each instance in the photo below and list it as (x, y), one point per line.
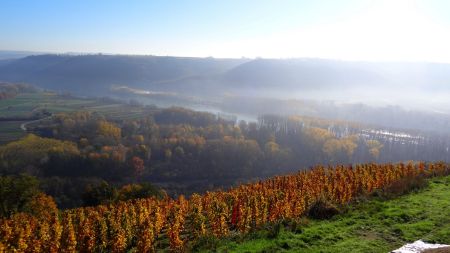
(334, 147)
(43, 207)
(33, 149)
(374, 147)
(140, 223)
(271, 147)
(108, 129)
(318, 136)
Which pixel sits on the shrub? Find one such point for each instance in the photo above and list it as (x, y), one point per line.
(16, 193)
(403, 186)
(206, 243)
(322, 209)
(273, 230)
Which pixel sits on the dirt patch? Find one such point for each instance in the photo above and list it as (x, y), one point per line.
(439, 250)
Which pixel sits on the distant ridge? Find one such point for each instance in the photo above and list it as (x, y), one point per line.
(14, 54)
(96, 73)
(87, 74)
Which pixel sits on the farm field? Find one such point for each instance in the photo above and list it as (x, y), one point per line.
(22, 109)
(25, 104)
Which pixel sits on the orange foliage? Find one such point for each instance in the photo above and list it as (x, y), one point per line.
(142, 224)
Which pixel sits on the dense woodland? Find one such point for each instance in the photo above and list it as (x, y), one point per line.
(77, 155)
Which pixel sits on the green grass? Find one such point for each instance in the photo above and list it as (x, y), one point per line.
(24, 104)
(369, 226)
(10, 131)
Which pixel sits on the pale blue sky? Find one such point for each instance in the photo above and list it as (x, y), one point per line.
(346, 29)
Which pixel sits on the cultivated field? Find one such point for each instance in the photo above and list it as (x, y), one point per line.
(29, 106)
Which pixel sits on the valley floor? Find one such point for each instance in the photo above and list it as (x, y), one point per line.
(370, 226)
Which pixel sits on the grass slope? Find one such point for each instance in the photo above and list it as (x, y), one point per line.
(370, 226)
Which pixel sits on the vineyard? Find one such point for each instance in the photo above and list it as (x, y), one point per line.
(148, 225)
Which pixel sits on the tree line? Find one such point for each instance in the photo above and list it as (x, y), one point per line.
(11, 90)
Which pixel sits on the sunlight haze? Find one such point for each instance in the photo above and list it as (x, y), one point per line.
(383, 30)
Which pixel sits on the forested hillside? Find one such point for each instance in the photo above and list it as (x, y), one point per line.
(96, 74)
(75, 73)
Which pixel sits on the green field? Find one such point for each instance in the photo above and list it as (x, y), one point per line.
(25, 104)
(370, 226)
(10, 131)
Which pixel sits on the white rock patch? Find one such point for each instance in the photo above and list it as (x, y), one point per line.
(418, 246)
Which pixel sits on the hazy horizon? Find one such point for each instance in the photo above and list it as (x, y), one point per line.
(81, 53)
(400, 31)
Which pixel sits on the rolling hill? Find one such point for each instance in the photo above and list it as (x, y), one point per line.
(87, 74)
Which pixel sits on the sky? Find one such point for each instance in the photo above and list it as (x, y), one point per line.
(372, 30)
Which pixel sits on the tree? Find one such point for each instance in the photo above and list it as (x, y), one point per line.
(42, 206)
(374, 147)
(109, 130)
(168, 154)
(139, 139)
(20, 194)
(138, 191)
(99, 194)
(179, 151)
(318, 136)
(271, 148)
(33, 151)
(340, 149)
(137, 164)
